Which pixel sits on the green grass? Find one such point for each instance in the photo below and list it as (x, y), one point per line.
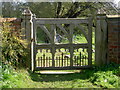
(99, 77)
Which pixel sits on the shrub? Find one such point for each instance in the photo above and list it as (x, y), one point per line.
(106, 76)
(14, 49)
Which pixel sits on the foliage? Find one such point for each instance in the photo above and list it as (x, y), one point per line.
(14, 49)
(12, 9)
(105, 79)
(10, 78)
(106, 76)
(69, 9)
(46, 9)
(58, 9)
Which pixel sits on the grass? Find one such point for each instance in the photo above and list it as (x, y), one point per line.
(99, 77)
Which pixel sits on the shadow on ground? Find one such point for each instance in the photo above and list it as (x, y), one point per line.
(83, 74)
(38, 77)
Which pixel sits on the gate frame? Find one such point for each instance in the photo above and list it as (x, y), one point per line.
(33, 42)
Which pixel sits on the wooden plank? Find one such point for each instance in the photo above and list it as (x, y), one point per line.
(63, 68)
(65, 61)
(98, 37)
(90, 41)
(59, 62)
(80, 58)
(104, 40)
(53, 32)
(77, 61)
(62, 59)
(44, 60)
(41, 61)
(38, 61)
(56, 60)
(71, 56)
(71, 43)
(53, 55)
(60, 21)
(33, 46)
(49, 46)
(49, 61)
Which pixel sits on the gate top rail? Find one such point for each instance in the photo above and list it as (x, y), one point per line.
(61, 20)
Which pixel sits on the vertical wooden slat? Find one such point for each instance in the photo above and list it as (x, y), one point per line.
(56, 62)
(98, 42)
(77, 61)
(101, 41)
(46, 61)
(49, 61)
(71, 47)
(67, 61)
(38, 61)
(43, 60)
(62, 59)
(53, 55)
(53, 36)
(104, 40)
(85, 60)
(80, 58)
(59, 62)
(33, 44)
(90, 42)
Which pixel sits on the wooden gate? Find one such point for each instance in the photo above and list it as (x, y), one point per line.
(54, 55)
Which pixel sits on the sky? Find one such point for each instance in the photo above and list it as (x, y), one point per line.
(116, 2)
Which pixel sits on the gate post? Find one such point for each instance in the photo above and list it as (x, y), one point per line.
(26, 31)
(101, 40)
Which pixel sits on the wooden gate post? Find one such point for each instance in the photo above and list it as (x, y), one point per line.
(101, 40)
(26, 31)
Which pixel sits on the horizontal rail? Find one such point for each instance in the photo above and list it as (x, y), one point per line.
(60, 20)
(63, 68)
(47, 46)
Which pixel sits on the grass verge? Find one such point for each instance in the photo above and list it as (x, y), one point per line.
(99, 77)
